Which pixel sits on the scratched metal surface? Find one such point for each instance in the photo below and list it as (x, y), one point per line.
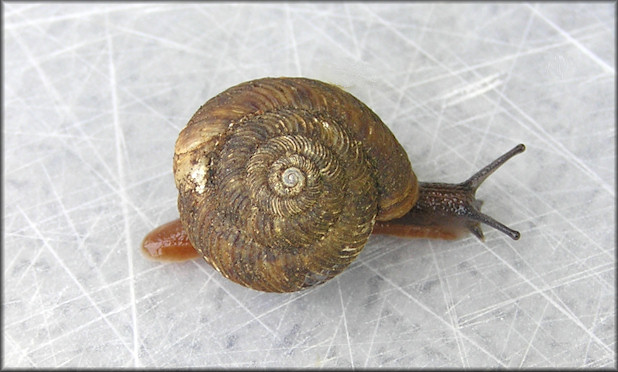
(95, 94)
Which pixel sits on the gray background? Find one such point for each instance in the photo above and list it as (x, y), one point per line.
(95, 95)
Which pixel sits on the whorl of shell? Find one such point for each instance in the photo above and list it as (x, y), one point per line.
(281, 179)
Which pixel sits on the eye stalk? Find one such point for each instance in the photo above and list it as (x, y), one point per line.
(472, 184)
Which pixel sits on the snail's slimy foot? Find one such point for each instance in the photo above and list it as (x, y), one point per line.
(448, 211)
(169, 242)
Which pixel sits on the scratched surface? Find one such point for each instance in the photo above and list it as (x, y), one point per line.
(95, 94)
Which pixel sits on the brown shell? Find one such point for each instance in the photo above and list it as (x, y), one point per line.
(281, 179)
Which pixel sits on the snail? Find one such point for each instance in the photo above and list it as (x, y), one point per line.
(281, 182)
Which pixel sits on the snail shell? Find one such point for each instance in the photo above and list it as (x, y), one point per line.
(281, 180)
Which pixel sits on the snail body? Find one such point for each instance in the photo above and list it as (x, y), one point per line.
(281, 181)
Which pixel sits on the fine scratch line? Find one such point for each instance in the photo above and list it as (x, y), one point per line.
(438, 317)
(563, 309)
(122, 189)
(104, 317)
(578, 45)
(472, 90)
(290, 27)
(240, 303)
(523, 359)
(375, 331)
(451, 312)
(345, 323)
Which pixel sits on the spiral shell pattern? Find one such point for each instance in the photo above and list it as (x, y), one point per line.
(276, 189)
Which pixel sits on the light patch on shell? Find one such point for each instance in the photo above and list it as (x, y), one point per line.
(198, 177)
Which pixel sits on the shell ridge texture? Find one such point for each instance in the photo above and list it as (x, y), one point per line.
(283, 194)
